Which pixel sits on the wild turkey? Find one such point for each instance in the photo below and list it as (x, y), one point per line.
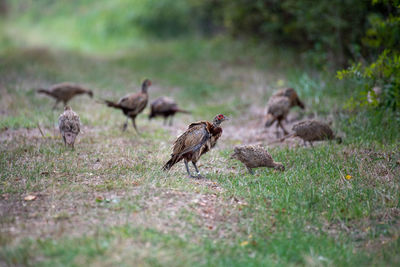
(69, 125)
(197, 140)
(64, 92)
(166, 107)
(312, 130)
(278, 109)
(132, 104)
(292, 95)
(254, 157)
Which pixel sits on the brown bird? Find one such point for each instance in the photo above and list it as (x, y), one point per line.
(254, 157)
(292, 95)
(278, 109)
(64, 92)
(197, 140)
(132, 104)
(278, 106)
(166, 107)
(312, 130)
(69, 125)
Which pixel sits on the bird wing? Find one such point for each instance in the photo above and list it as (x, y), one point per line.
(279, 106)
(200, 123)
(163, 104)
(66, 90)
(135, 103)
(69, 122)
(192, 139)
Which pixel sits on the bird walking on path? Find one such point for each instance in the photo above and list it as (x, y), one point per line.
(165, 107)
(279, 105)
(254, 157)
(312, 130)
(197, 140)
(132, 104)
(278, 109)
(69, 125)
(292, 95)
(64, 92)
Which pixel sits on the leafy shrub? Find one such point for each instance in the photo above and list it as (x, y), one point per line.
(379, 81)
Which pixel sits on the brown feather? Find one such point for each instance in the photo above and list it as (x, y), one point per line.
(165, 107)
(312, 130)
(69, 125)
(132, 104)
(190, 144)
(65, 91)
(198, 139)
(254, 157)
(292, 95)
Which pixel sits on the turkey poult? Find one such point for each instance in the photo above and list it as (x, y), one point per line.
(197, 140)
(132, 104)
(278, 109)
(255, 157)
(312, 130)
(64, 92)
(165, 107)
(69, 125)
(279, 106)
(292, 95)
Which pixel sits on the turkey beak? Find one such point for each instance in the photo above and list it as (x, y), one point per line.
(227, 119)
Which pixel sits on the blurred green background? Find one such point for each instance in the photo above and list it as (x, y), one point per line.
(322, 35)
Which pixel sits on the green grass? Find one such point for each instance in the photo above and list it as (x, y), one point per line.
(109, 203)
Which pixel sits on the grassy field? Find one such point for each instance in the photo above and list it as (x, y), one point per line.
(108, 202)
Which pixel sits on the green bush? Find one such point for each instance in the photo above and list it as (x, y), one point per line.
(325, 28)
(379, 81)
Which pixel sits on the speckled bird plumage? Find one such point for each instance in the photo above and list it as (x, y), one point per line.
(312, 130)
(255, 157)
(69, 126)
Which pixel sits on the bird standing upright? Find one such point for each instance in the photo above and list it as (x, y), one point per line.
(197, 140)
(69, 125)
(132, 104)
(64, 92)
(166, 107)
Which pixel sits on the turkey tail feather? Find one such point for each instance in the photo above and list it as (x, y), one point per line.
(174, 159)
(111, 104)
(43, 91)
(183, 111)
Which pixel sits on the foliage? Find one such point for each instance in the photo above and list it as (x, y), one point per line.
(325, 32)
(379, 81)
(169, 18)
(324, 27)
